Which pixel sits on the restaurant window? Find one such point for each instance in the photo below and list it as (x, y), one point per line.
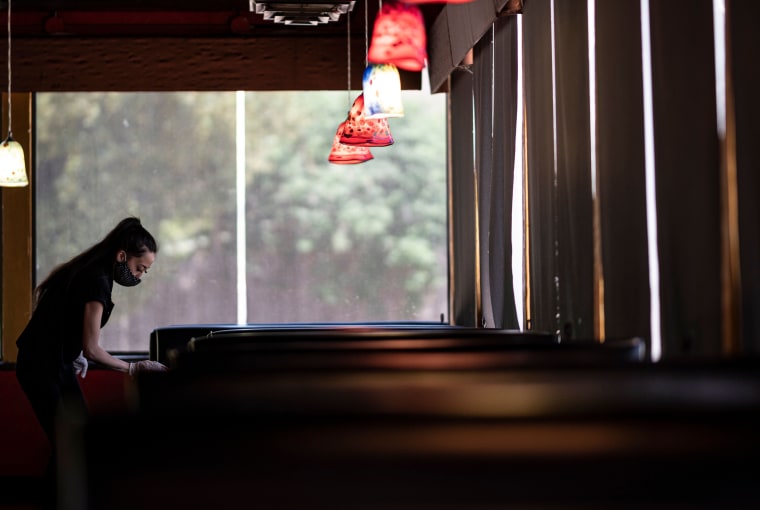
(253, 224)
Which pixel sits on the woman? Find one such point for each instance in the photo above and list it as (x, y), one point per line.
(70, 308)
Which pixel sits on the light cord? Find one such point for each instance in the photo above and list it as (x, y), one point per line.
(9, 70)
(366, 34)
(348, 45)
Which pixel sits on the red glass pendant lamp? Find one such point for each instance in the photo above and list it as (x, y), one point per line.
(399, 37)
(342, 154)
(359, 130)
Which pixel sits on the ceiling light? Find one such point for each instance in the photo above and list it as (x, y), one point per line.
(12, 162)
(399, 37)
(342, 154)
(382, 92)
(299, 13)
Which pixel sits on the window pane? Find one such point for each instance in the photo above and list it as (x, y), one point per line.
(168, 159)
(323, 242)
(344, 242)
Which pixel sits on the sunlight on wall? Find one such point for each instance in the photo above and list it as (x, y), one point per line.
(654, 263)
(518, 233)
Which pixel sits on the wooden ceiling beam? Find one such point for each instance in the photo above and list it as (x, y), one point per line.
(191, 64)
(204, 45)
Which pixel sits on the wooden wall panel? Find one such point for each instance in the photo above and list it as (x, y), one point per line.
(16, 234)
(197, 64)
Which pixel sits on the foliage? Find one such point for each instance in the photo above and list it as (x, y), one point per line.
(323, 242)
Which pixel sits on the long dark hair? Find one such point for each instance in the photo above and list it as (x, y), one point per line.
(129, 235)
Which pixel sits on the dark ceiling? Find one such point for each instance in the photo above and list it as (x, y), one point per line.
(190, 44)
(233, 18)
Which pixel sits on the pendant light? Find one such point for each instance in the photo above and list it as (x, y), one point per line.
(399, 37)
(381, 84)
(343, 154)
(382, 92)
(12, 163)
(362, 131)
(340, 153)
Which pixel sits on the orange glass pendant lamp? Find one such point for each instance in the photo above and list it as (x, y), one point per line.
(382, 92)
(362, 131)
(342, 154)
(399, 37)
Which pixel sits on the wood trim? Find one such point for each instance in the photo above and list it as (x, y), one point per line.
(731, 279)
(17, 234)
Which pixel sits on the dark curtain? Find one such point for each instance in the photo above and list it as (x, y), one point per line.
(462, 202)
(621, 170)
(502, 178)
(542, 299)
(687, 162)
(575, 235)
(561, 265)
(482, 70)
(744, 48)
(495, 92)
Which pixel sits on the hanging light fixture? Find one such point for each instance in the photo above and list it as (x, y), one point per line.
(382, 92)
(343, 154)
(359, 130)
(381, 84)
(399, 37)
(300, 13)
(340, 153)
(12, 164)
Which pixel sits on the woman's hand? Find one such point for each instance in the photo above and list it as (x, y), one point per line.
(146, 366)
(80, 366)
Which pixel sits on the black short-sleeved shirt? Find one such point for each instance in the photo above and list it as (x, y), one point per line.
(55, 329)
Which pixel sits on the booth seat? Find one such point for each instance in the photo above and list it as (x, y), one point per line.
(637, 436)
(167, 338)
(24, 449)
(363, 348)
(227, 368)
(175, 343)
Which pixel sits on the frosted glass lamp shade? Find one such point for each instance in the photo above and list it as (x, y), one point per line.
(367, 132)
(342, 154)
(399, 37)
(12, 164)
(382, 92)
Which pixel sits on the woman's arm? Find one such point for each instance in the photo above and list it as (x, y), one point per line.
(93, 312)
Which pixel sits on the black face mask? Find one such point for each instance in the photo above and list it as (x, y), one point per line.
(123, 276)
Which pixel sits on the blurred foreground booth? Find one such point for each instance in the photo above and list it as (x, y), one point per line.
(409, 417)
(236, 345)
